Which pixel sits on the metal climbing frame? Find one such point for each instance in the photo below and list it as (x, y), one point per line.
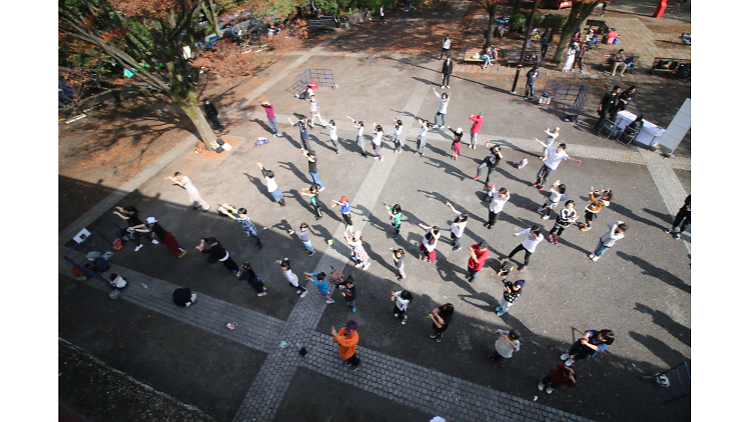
(100, 240)
(571, 96)
(320, 76)
(675, 389)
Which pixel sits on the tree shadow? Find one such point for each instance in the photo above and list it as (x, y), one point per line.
(663, 320)
(656, 272)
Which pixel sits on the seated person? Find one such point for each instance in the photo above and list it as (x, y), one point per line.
(486, 56)
(634, 127)
(612, 35)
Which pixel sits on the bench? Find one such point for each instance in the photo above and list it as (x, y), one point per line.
(608, 62)
(470, 52)
(514, 57)
(326, 22)
(672, 65)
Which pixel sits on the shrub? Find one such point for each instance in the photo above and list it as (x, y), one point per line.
(537, 17)
(554, 22)
(517, 21)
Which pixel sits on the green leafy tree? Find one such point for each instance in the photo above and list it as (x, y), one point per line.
(490, 6)
(147, 37)
(579, 13)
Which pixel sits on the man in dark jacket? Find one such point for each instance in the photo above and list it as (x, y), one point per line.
(546, 40)
(531, 76)
(608, 101)
(447, 70)
(213, 116)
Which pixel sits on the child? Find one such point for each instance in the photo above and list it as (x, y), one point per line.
(429, 242)
(398, 140)
(334, 136)
(314, 200)
(505, 345)
(424, 126)
(557, 194)
(359, 254)
(596, 205)
(348, 292)
(319, 279)
(458, 226)
(246, 273)
(499, 199)
(346, 212)
(456, 144)
(402, 298)
(273, 188)
(377, 139)
(512, 292)
(360, 126)
(395, 213)
(566, 217)
(240, 216)
(532, 237)
(551, 136)
(398, 259)
(286, 267)
(556, 378)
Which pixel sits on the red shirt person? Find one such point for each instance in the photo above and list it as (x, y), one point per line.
(475, 128)
(479, 253)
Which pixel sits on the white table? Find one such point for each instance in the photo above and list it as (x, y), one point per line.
(650, 133)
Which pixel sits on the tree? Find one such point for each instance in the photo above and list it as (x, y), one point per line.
(579, 13)
(490, 6)
(147, 38)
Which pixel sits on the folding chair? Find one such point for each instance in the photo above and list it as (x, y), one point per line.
(628, 134)
(609, 128)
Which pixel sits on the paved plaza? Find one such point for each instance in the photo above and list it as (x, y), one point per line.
(640, 289)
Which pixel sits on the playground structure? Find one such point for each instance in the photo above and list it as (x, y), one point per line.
(319, 76)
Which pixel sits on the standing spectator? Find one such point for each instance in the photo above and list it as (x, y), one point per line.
(304, 136)
(622, 102)
(359, 254)
(319, 280)
(347, 338)
(424, 126)
(402, 299)
(506, 344)
(312, 168)
(616, 232)
(183, 297)
(478, 254)
(532, 237)
(313, 200)
(291, 277)
(570, 57)
(246, 273)
(499, 199)
(589, 39)
(604, 9)
(446, 48)
(447, 71)
(346, 212)
(556, 194)
(212, 114)
(546, 40)
(531, 77)
(192, 191)
(377, 139)
(554, 157)
(599, 199)
(556, 378)
(491, 161)
(580, 53)
(273, 188)
(382, 15)
(475, 128)
(303, 231)
(429, 242)
(271, 117)
(130, 213)
(618, 61)
(512, 291)
(315, 112)
(216, 252)
(566, 217)
(682, 219)
(551, 136)
(165, 237)
(608, 102)
(240, 216)
(456, 144)
(360, 126)
(457, 227)
(444, 99)
(441, 318)
(398, 261)
(334, 136)
(588, 346)
(398, 137)
(349, 292)
(395, 215)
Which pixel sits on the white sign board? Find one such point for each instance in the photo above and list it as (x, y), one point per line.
(678, 128)
(82, 235)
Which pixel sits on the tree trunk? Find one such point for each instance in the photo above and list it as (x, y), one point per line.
(193, 110)
(490, 26)
(517, 7)
(210, 12)
(579, 13)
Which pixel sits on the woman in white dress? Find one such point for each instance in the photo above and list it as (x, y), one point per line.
(570, 57)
